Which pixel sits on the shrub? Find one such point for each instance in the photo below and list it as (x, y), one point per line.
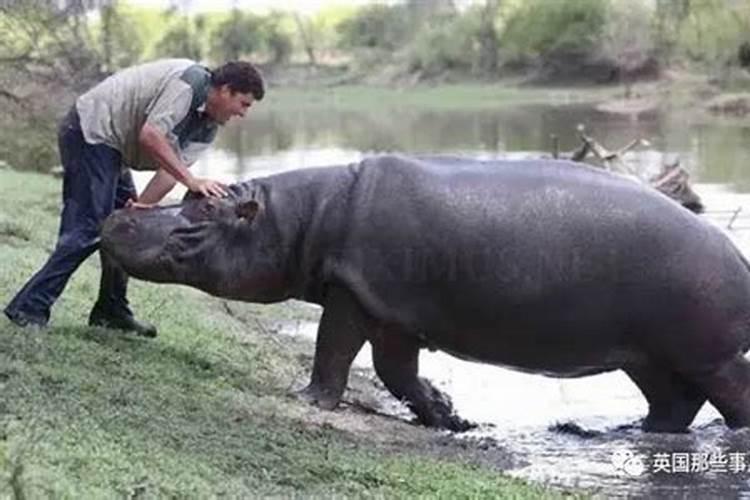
(546, 30)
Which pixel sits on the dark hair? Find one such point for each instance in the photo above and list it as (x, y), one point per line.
(240, 76)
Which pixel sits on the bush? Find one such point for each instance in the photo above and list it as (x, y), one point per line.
(710, 35)
(182, 39)
(375, 26)
(547, 30)
(628, 40)
(249, 35)
(448, 45)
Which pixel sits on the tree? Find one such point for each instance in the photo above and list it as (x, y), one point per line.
(278, 41)
(306, 31)
(120, 43)
(48, 43)
(375, 26)
(237, 35)
(669, 16)
(421, 12)
(555, 35)
(242, 34)
(627, 38)
(182, 39)
(488, 38)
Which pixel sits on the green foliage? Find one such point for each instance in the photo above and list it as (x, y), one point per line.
(45, 43)
(711, 33)
(317, 32)
(445, 46)
(243, 34)
(239, 34)
(627, 35)
(149, 25)
(375, 26)
(545, 29)
(183, 38)
(278, 39)
(119, 42)
(30, 141)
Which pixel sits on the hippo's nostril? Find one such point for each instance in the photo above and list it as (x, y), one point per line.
(126, 225)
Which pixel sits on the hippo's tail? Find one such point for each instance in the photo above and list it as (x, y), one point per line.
(746, 263)
(742, 258)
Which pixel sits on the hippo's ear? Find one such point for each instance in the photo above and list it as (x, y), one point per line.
(247, 210)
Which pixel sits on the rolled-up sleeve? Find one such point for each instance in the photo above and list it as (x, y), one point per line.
(170, 108)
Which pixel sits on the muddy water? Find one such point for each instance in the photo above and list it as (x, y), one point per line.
(520, 410)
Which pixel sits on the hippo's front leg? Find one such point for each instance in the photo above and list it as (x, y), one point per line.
(396, 359)
(341, 334)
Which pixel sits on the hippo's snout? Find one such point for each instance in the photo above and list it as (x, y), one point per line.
(135, 238)
(117, 229)
(121, 224)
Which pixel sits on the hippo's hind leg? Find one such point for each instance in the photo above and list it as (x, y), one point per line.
(728, 389)
(341, 334)
(672, 399)
(396, 359)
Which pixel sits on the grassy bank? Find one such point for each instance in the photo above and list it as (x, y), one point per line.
(201, 411)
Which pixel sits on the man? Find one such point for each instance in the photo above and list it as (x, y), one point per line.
(155, 116)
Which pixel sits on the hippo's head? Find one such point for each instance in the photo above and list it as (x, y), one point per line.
(208, 243)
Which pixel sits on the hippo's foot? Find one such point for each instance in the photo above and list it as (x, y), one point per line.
(396, 358)
(340, 337)
(728, 389)
(673, 399)
(319, 396)
(437, 410)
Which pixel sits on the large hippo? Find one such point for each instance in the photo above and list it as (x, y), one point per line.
(543, 266)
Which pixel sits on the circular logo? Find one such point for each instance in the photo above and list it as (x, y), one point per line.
(628, 462)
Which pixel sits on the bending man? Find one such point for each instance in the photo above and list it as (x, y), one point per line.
(155, 116)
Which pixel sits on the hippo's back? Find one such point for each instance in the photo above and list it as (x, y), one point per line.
(528, 252)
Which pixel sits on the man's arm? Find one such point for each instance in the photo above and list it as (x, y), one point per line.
(153, 141)
(157, 188)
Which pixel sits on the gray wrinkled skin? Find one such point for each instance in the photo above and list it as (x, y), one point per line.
(543, 266)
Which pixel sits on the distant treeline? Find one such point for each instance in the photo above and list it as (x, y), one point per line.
(602, 40)
(51, 50)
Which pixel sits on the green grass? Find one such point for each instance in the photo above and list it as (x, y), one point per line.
(201, 411)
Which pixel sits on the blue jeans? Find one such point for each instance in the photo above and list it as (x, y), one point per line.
(94, 185)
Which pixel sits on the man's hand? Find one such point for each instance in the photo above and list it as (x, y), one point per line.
(137, 205)
(207, 187)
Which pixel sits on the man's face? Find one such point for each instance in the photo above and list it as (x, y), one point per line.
(227, 104)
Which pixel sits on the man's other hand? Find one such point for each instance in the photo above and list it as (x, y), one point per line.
(207, 187)
(137, 205)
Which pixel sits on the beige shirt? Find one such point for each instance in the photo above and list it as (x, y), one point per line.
(168, 94)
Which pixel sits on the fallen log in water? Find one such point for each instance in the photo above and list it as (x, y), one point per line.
(673, 180)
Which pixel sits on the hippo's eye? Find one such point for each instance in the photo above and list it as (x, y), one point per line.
(209, 208)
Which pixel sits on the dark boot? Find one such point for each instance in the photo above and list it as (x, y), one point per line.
(112, 309)
(24, 320)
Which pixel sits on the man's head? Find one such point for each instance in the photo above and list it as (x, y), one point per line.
(234, 88)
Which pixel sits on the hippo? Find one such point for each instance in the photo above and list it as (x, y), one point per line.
(545, 266)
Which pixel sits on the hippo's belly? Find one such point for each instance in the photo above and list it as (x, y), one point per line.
(569, 356)
(563, 324)
(563, 345)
